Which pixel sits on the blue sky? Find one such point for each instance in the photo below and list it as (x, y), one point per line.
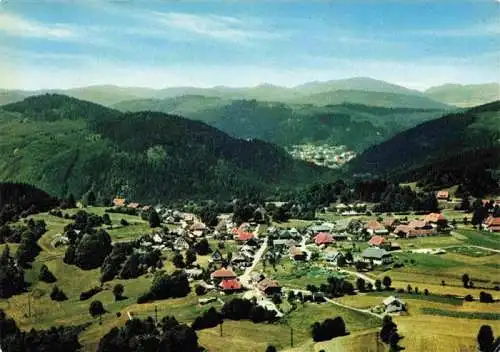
(157, 44)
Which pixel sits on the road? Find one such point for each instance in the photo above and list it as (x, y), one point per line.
(355, 273)
(245, 278)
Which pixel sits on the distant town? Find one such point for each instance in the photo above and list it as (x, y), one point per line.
(331, 156)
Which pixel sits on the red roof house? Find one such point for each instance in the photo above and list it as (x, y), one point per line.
(376, 241)
(323, 238)
(434, 217)
(269, 286)
(223, 273)
(444, 195)
(230, 285)
(119, 202)
(492, 224)
(244, 236)
(374, 227)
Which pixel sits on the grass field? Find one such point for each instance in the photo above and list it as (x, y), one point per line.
(481, 238)
(466, 315)
(430, 298)
(470, 251)
(247, 336)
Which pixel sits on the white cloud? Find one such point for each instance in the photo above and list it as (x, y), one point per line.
(491, 28)
(15, 25)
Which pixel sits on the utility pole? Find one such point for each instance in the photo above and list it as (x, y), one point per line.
(220, 325)
(291, 336)
(29, 304)
(156, 314)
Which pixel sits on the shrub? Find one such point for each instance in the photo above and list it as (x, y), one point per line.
(96, 308)
(45, 275)
(207, 320)
(485, 297)
(57, 294)
(469, 298)
(123, 222)
(328, 329)
(85, 295)
(200, 290)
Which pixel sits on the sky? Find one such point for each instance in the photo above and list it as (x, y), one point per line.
(146, 43)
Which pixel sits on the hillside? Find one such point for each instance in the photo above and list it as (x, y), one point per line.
(457, 146)
(63, 145)
(465, 95)
(372, 98)
(357, 126)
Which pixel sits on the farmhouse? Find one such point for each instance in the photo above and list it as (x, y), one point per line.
(230, 285)
(323, 238)
(443, 195)
(376, 241)
(216, 256)
(376, 256)
(222, 274)
(393, 305)
(334, 257)
(297, 254)
(269, 287)
(181, 244)
(416, 228)
(373, 227)
(435, 218)
(492, 224)
(119, 202)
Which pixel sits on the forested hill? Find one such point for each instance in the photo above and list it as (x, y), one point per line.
(65, 145)
(354, 125)
(454, 148)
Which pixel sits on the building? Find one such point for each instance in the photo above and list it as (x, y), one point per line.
(443, 195)
(223, 273)
(180, 244)
(243, 236)
(119, 202)
(334, 257)
(492, 224)
(269, 287)
(376, 256)
(373, 227)
(216, 256)
(297, 254)
(435, 218)
(394, 305)
(323, 238)
(376, 241)
(230, 285)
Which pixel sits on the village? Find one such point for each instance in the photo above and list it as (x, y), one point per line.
(349, 261)
(323, 155)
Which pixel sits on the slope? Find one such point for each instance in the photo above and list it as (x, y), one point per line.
(357, 126)
(465, 95)
(63, 145)
(461, 144)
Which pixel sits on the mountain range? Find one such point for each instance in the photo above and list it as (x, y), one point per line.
(65, 145)
(321, 93)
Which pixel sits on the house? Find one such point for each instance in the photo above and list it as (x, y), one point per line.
(393, 305)
(492, 224)
(376, 255)
(373, 227)
(230, 285)
(341, 208)
(181, 244)
(297, 254)
(284, 243)
(133, 206)
(257, 277)
(323, 238)
(333, 257)
(390, 223)
(146, 208)
(269, 287)
(376, 241)
(435, 218)
(243, 236)
(324, 227)
(223, 273)
(443, 195)
(239, 258)
(119, 202)
(416, 228)
(198, 226)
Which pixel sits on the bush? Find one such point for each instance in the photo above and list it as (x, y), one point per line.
(485, 297)
(85, 295)
(118, 291)
(57, 294)
(469, 298)
(123, 222)
(200, 290)
(45, 275)
(328, 329)
(96, 308)
(209, 319)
